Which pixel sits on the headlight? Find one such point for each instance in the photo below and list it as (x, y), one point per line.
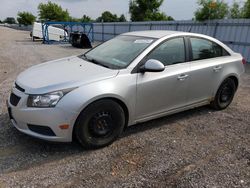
(46, 100)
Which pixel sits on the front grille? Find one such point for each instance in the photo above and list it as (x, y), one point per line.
(19, 88)
(14, 100)
(44, 130)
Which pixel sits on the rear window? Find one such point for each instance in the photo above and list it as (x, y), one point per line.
(205, 49)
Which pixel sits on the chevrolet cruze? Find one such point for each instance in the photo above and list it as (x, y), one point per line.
(135, 77)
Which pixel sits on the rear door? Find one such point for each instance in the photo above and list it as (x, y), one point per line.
(206, 68)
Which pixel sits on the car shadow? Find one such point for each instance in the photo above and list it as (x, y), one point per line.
(169, 119)
(24, 151)
(69, 46)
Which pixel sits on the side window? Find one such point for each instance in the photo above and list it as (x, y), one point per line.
(170, 52)
(204, 49)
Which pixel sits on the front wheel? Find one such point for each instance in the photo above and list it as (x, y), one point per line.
(100, 124)
(224, 95)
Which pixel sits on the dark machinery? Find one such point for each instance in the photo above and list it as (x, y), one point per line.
(79, 40)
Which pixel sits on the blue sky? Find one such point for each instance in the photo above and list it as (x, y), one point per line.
(179, 9)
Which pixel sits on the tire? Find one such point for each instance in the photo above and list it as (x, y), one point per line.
(99, 124)
(224, 95)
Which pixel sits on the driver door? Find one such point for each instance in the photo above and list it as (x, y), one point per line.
(159, 92)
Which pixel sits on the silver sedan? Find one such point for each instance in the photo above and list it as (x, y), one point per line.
(135, 77)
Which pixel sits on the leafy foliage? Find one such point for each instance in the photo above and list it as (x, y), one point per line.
(25, 18)
(109, 17)
(145, 10)
(235, 11)
(246, 9)
(72, 19)
(209, 9)
(85, 18)
(52, 12)
(122, 18)
(10, 20)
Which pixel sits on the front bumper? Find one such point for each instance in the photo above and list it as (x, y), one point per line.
(22, 116)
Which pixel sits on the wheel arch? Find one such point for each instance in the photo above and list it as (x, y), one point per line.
(216, 103)
(115, 99)
(234, 77)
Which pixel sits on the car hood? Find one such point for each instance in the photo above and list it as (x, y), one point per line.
(62, 74)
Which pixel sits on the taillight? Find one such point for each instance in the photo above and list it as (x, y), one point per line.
(244, 61)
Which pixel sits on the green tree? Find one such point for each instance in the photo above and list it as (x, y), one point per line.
(1, 21)
(52, 12)
(246, 9)
(107, 17)
(159, 16)
(72, 19)
(210, 9)
(25, 18)
(235, 11)
(145, 10)
(10, 20)
(122, 18)
(85, 18)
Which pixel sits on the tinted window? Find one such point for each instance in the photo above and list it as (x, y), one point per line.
(170, 52)
(204, 49)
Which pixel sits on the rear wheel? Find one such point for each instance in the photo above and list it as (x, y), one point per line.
(100, 124)
(224, 95)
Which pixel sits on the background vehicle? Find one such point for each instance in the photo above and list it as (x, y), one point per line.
(55, 33)
(132, 78)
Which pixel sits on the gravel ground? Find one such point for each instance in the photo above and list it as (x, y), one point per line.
(196, 148)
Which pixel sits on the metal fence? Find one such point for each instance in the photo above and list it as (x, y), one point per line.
(233, 32)
(18, 27)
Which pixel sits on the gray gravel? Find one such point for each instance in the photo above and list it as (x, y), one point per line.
(196, 148)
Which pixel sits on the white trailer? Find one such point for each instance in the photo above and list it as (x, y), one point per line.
(56, 34)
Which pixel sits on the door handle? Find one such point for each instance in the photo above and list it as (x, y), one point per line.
(182, 77)
(217, 68)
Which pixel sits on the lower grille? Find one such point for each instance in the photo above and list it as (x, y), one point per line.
(14, 100)
(44, 130)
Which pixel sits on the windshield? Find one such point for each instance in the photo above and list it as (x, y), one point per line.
(119, 52)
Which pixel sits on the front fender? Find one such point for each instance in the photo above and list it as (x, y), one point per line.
(122, 88)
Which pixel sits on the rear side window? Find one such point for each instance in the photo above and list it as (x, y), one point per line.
(170, 52)
(205, 49)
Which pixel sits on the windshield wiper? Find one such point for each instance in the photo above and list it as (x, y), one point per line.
(94, 61)
(98, 63)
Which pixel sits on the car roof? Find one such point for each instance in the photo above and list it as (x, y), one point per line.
(154, 33)
(158, 34)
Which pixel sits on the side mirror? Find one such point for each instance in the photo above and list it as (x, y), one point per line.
(152, 65)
